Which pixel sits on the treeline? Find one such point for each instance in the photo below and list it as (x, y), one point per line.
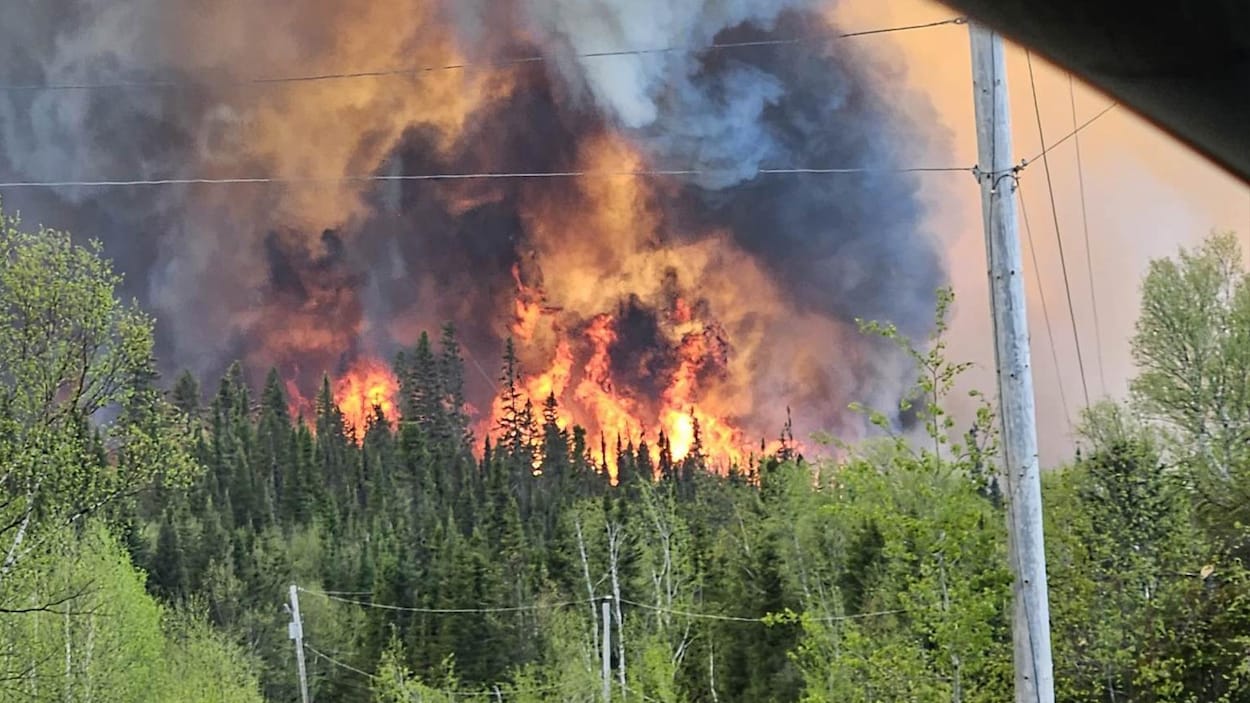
(429, 574)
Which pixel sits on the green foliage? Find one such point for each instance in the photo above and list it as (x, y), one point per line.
(81, 426)
(1192, 346)
(1135, 579)
(201, 665)
(105, 638)
(433, 576)
(936, 379)
(924, 589)
(395, 683)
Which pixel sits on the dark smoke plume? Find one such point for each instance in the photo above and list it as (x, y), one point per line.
(302, 277)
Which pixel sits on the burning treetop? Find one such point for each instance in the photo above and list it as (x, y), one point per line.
(641, 304)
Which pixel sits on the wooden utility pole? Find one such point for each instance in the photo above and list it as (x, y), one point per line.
(295, 630)
(1021, 473)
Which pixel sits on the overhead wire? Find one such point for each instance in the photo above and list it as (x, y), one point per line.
(332, 180)
(1070, 135)
(563, 604)
(1041, 291)
(640, 694)
(1025, 163)
(452, 693)
(505, 175)
(1054, 211)
(519, 60)
(736, 618)
(1089, 256)
(444, 611)
(336, 662)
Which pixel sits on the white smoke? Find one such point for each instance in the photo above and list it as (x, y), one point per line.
(661, 97)
(633, 88)
(50, 134)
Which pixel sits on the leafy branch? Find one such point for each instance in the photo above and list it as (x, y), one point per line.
(936, 379)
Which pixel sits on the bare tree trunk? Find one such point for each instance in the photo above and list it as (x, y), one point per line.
(798, 558)
(711, 671)
(957, 693)
(666, 581)
(663, 580)
(590, 586)
(88, 680)
(69, 669)
(615, 538)
(11, 556)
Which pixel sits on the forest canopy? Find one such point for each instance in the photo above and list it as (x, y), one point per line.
(150, 530)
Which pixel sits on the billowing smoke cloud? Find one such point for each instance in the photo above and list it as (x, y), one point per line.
(747, 282)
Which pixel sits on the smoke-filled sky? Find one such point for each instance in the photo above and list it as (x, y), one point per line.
(1146, 195)
(720, 296)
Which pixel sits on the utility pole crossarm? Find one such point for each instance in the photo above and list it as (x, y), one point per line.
(1034, 675)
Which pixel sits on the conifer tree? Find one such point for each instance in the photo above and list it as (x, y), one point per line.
(451, 383)
(169, 573)
(273, 442)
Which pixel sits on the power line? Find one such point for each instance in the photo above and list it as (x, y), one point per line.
(1041, 289)
(1089, 256)
(1070, 135)
(519, 60)
(446, 611)
(688, 614)
(640, 694)
(1054, 211)
(331, 180)
(903, 28)
(336, 662)
(454, 694)
(542, 606)
(1025, 163)
(734, 618)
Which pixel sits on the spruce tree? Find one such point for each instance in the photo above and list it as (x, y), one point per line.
(273, 442)
(169, 573)
(451, 383)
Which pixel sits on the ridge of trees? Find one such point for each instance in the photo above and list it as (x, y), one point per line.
(151, 537)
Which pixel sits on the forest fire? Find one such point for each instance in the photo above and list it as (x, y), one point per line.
(368, 385)
(610, 330)
(529, 178)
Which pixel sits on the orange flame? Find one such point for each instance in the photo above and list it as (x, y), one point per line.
(593, 241)
(608, 247)
(610, 413)
(528, 308)
(615, 414)
(368, 384)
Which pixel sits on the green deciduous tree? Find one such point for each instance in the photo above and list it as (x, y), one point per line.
(1135, 579)
(923, 562)
(1192, 346)
(81, 425)
(105, 639)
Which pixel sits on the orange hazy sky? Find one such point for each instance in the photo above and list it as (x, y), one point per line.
(1146, 195)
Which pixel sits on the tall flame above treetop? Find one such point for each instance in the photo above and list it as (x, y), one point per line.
(715, 296)
(367, 388)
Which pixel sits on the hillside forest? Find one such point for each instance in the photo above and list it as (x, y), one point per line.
(151, 529)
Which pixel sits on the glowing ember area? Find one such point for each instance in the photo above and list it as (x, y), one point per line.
(663, 277)
(636, 332)
(369, 384)
(623, 395)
